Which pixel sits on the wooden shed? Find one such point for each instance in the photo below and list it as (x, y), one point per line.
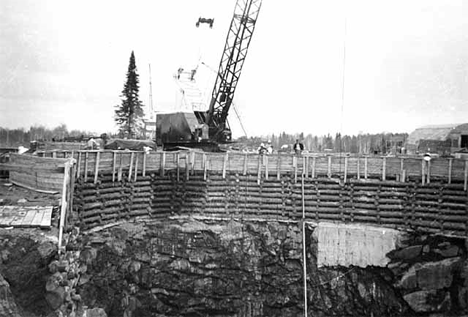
(441, 139)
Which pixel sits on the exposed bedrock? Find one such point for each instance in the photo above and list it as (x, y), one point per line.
(190, 267)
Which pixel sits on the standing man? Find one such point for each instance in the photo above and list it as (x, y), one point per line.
(298, 147)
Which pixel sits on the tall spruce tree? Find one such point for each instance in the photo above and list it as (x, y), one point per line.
(129, 114)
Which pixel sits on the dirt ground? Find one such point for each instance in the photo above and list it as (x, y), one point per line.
(12, 195)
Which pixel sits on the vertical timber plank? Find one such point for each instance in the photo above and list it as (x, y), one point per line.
(114, 157)
(131, 165)
(96, 167)
(144, 164)
(86, 167)
(365, 167)
(450, 171)
(384, 168)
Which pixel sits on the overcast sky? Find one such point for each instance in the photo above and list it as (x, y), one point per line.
(406, 62)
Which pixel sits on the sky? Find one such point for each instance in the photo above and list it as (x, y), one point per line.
(363, 66)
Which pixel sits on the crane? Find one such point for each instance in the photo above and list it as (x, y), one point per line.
(207, 129)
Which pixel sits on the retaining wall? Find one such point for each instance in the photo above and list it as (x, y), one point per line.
(433, 208)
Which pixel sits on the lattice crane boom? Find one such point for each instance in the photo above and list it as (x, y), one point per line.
(230, 67)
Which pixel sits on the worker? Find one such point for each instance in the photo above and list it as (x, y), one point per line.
(298, 147)
(92, 144)
(262, 149)
(269, 148)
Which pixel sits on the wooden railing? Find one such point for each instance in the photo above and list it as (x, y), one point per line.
(402, 169)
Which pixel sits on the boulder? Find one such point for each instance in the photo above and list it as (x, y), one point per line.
(437, 275)
(408, 253)
(96, 312)
(428, 301)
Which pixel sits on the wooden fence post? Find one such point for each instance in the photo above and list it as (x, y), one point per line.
(402, 170)
(178, 165)
(365, 167)
(114, 156)
(278, 168)
(450, 171)
(244, 172)
(205, 166)
(466, 176)
(136, 167)
(358, 167)
(86, 167)
(345, 169)
(314, 161)
(384, 168)
(144, 164)
(329, 174)
(259, 172)
(422, 172)
(163, 163)
(225, 161)
(78, 166)
(96, 167)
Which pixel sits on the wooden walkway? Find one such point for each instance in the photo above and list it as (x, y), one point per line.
(26, 216)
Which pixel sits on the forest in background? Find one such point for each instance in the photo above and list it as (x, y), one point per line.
(380, 143)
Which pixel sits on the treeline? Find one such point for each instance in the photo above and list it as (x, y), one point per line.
(380, 143)
(17, 137)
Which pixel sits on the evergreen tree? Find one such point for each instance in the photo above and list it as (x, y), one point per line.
(129, 115)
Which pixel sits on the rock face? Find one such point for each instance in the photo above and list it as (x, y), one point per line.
(431, 274)
(191, 268)
(24, 257)
(8, 307)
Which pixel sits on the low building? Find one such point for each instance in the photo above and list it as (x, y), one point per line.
(442, 139)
